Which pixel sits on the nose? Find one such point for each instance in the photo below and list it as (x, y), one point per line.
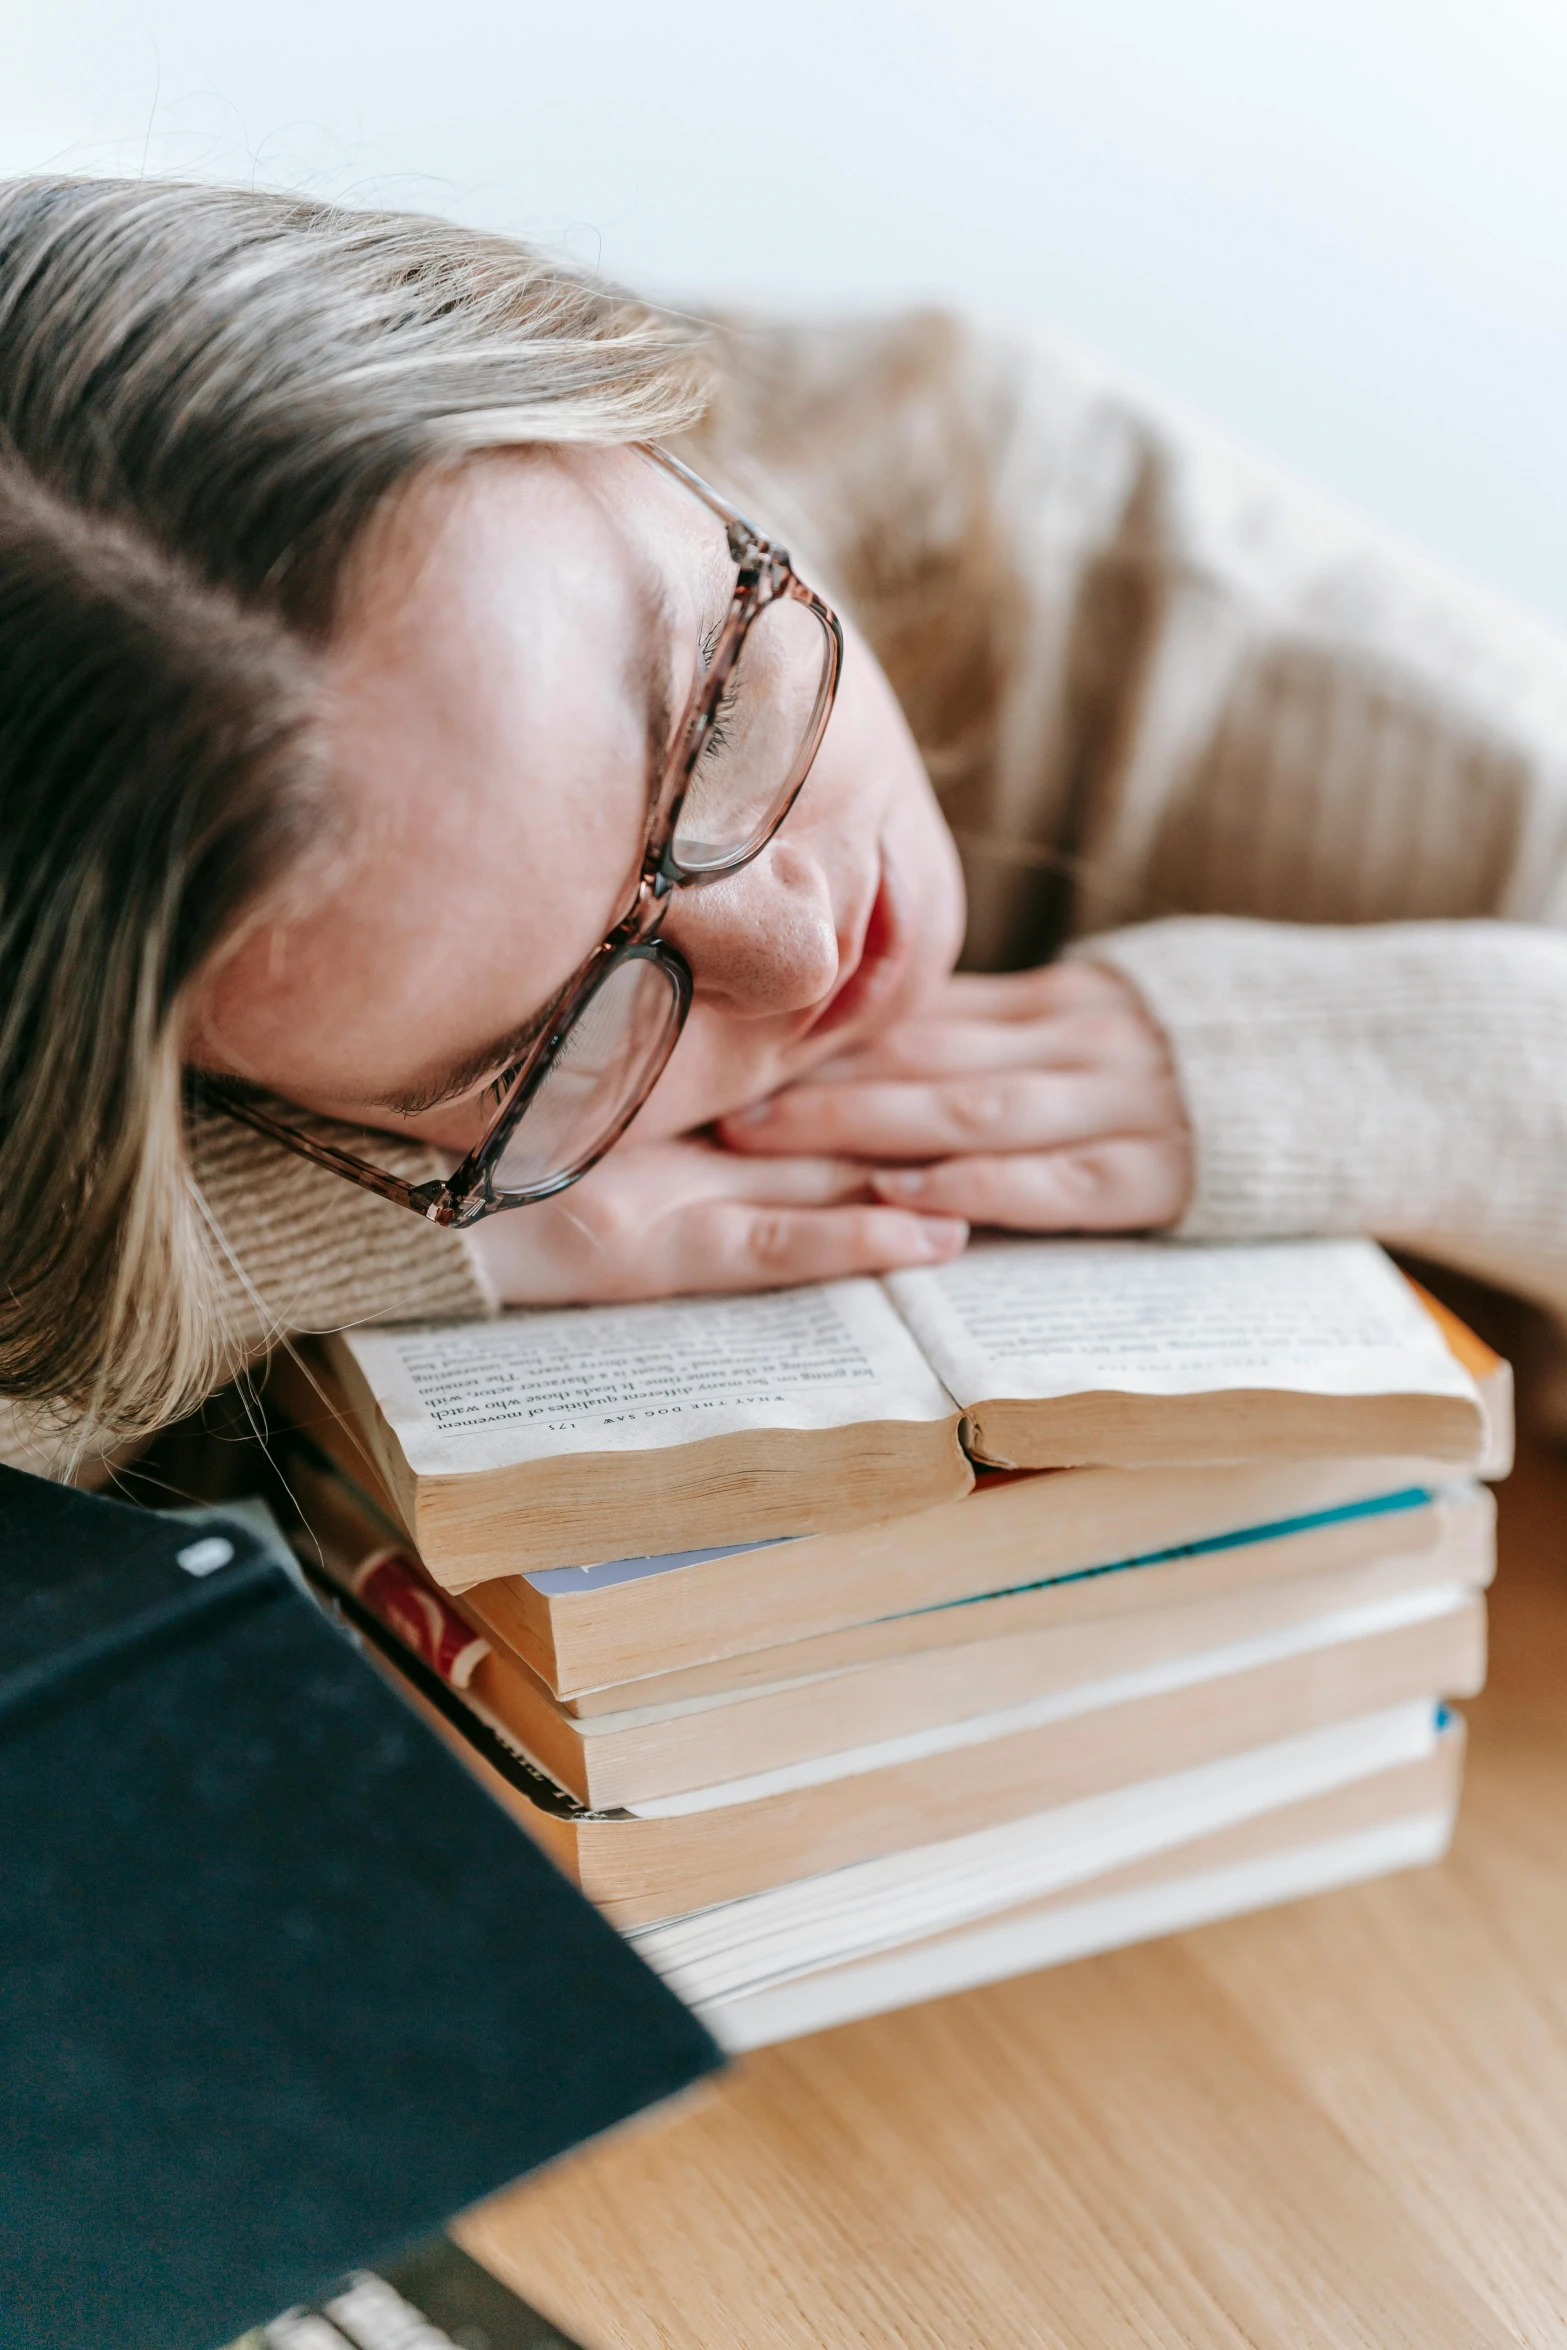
(763, 940)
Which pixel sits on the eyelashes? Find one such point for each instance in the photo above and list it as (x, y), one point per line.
(728, 702)
(716, 739)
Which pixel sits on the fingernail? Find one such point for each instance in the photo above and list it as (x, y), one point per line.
(901, 1182)
(754, 1114)
(944, 1235)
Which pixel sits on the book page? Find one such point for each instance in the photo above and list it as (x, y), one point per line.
(1029, 1319)
(485, 1395)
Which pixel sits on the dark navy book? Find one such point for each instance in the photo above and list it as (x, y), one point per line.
(281, 1989)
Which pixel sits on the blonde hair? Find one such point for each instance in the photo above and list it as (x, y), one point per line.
(206, 395)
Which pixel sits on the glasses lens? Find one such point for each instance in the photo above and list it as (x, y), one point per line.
(616, 1045)
(755, 750)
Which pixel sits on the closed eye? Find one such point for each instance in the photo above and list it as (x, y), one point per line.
(715, 738)
(486, 1076)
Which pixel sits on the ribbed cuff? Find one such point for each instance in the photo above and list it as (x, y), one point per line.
(313, 1252)
(1408, 1080)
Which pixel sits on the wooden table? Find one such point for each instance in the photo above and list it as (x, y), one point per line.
(1341, 2123)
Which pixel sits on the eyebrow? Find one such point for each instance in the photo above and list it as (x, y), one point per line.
(650, 681)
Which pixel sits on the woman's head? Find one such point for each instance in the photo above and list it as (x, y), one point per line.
(333, 608)
(509, 663)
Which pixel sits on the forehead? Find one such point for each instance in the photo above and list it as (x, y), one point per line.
(507, 638)
(522, 601)
(492, 638)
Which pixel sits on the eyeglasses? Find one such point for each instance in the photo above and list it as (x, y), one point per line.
(737, 760)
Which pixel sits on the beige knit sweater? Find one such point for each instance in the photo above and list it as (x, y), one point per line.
(1305, 790)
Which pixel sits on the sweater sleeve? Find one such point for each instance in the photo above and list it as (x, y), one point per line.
(307, 1251)
(1403, 1079)
(1326, 781)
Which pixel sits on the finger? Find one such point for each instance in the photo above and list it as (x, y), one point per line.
(940, 1048)
(609, 1235)
(667, 1177)
(735, 1245)
(1121, 1183)
(574, 1251)
(955, 1117)
(1025, 995)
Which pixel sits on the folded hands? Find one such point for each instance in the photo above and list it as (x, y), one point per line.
(1041, 1101)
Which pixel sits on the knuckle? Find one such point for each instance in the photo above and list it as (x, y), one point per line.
(1069, 986)
(613, 1221)
(718, 1251)
(1084, 1178)
(976, 1111)
(770, 1240)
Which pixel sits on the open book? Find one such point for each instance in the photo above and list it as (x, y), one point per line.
(565, 1438)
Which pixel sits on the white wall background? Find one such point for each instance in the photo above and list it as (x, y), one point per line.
(1337, 225)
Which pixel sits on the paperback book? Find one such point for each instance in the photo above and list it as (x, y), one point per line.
(547, 1440)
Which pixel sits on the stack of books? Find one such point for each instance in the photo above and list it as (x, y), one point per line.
(879, 1639)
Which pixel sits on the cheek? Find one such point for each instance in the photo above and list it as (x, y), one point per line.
(870, 766)
(720, 1064)
(931, 874)
(867, 759)
(875, 775)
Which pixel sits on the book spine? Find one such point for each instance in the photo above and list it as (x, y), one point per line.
(476, 1731)
(394, 1587)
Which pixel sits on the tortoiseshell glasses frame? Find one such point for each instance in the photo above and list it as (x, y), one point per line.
(476, 1188)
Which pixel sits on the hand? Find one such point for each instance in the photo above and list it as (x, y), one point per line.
(661, 1219)
(1043, 1101)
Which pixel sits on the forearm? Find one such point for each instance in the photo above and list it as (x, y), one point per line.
(1407, 1080)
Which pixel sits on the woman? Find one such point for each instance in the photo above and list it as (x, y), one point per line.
(395, 747)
